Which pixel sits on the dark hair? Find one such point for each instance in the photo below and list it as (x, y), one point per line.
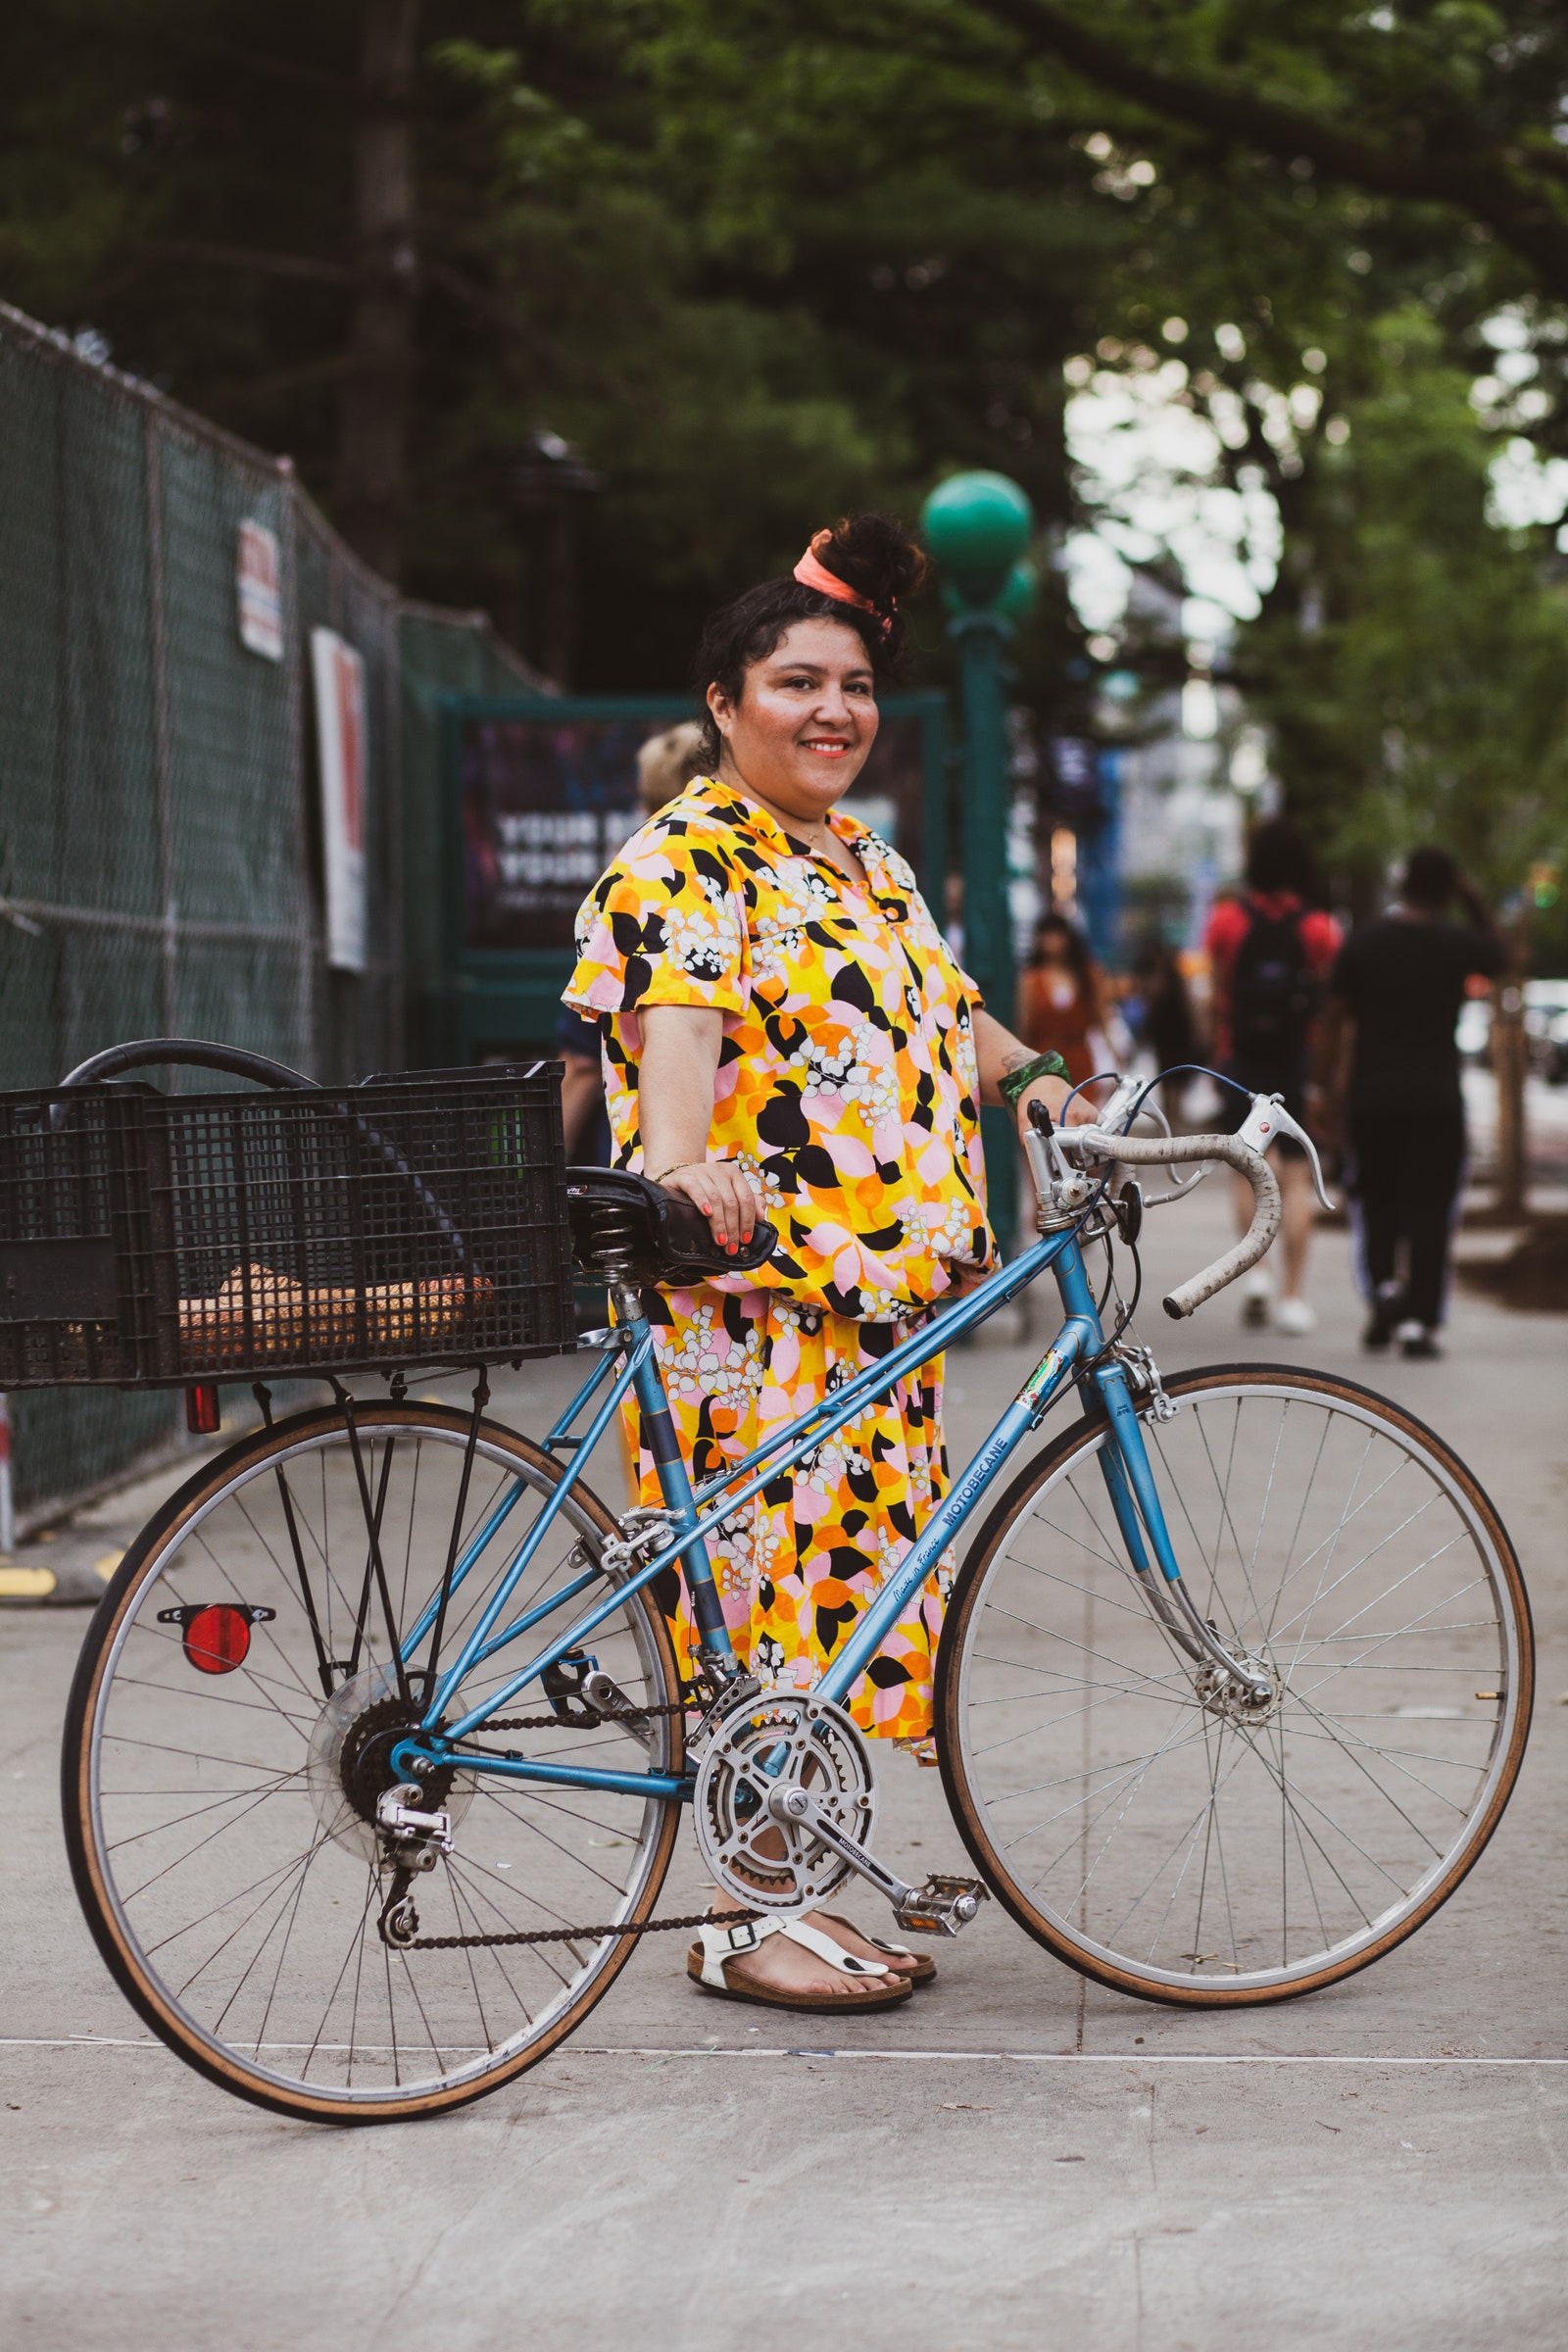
(871, 553)
(1280, 857)
(1079, 958)
(1431, 878)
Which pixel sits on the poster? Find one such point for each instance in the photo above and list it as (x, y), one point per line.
(545, 804)
(339, 675)
(258, 584)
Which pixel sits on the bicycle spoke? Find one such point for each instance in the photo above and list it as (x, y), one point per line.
(237, 1812)
(1182, 1839)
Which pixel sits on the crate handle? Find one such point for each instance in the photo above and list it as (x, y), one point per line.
(202, 1054)
(193, 1052)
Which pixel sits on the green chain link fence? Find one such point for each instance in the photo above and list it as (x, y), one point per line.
(159, 867)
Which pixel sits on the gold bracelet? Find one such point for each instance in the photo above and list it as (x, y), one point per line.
(672, 1167)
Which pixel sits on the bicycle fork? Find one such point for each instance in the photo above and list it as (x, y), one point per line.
(1135, 1500)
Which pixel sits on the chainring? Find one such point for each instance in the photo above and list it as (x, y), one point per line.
(760, 1743)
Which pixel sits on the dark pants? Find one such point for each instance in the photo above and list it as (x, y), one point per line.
(1407, 1168)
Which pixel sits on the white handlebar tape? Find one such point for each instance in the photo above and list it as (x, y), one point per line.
(1137, 1151)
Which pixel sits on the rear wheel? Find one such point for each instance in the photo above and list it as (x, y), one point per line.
(1131, 1813)
(229, 1735)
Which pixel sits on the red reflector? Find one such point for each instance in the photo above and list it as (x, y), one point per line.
(204, 1415)
(217, 1638)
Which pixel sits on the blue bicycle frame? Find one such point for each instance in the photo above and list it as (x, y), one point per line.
(694, 1513)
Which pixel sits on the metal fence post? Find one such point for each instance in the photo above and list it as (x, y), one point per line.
(163, 749)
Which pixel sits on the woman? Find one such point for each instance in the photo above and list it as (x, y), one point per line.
(788, 1032)
(1270, 950)
(1063, 998)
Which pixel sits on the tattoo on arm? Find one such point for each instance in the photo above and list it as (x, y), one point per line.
(1014, 1058)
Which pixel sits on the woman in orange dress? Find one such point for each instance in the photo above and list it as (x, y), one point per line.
(1061, 997)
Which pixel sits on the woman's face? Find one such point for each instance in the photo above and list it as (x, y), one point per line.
(806, 719)
(1050, 941)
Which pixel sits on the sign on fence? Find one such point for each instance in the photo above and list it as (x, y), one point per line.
(259, 579)
(339, 674)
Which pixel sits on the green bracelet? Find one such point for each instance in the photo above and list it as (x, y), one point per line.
(1016, 1082)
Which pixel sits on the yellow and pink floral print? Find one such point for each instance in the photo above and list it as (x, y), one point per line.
(847, 1091)
(798, 1564)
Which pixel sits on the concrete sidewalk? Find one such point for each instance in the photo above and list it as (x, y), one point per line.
(1015, 2159)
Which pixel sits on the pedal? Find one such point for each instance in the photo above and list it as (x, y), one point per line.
(941, 1906)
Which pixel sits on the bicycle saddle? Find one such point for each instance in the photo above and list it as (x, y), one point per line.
(616, 1218)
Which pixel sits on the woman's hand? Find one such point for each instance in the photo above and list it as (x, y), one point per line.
(1053, 1094)
(718, 1187)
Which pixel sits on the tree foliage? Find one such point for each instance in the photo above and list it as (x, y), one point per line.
(763, 260)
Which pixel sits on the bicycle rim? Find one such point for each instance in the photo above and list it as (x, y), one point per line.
(220, 1817)
(1113, 1802)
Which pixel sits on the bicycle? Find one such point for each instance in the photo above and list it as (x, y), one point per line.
(1233, 1689)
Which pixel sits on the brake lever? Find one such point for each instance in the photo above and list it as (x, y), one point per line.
(1269, 1118)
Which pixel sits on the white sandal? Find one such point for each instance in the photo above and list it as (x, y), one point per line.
(720, 1944)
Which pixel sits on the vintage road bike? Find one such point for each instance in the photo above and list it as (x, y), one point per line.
(1233, 1689)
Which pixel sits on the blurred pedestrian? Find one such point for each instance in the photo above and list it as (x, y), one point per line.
(665, 764)
(1167, 1028)
(1062, 1004)
(1389, 1070)
(1270, 950)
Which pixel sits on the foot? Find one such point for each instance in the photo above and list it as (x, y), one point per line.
(1388, 1306)
(1417, 1340)
(780, 1966)
(1258, 1298)
(1295, 1317)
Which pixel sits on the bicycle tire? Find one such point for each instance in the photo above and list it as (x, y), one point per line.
(152, 1718)
(1002, 1663)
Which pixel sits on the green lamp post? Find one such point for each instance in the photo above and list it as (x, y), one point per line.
(977, 526)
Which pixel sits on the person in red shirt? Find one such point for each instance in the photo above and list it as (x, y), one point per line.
(1270, 950)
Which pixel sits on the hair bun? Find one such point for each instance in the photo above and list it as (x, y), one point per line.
(875, 557)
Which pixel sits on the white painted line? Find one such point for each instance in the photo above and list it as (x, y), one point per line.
(106, 2041)
(1056, 2057)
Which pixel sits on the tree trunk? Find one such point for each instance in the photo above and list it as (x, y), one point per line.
(374, 408)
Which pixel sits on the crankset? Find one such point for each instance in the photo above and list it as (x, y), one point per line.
(785, 1808)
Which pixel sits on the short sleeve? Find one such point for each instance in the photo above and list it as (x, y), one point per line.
(664, 926)
(1321, 938)
(1225, 930)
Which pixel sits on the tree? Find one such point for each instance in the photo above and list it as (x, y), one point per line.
(1457, 103)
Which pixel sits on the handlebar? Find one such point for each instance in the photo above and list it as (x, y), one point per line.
(1137, 1151)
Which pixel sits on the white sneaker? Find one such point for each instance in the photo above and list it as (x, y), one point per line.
(1295, 1317)
(1258, 1299)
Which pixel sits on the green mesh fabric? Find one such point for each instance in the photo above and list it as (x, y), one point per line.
(159, 862)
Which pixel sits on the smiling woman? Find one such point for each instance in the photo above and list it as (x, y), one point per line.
(786, 1031)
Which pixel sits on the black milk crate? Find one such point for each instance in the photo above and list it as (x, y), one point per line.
(150, 1240)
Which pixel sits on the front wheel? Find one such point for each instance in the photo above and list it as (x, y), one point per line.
(1127, 1809)
(228, 1744)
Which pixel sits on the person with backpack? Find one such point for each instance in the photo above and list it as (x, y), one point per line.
(1270, 950)
(1389, 1060)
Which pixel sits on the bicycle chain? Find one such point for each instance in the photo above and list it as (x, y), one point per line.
(552, 1723)
(650, 1926)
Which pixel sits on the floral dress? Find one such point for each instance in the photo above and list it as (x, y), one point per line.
(847, 1091)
